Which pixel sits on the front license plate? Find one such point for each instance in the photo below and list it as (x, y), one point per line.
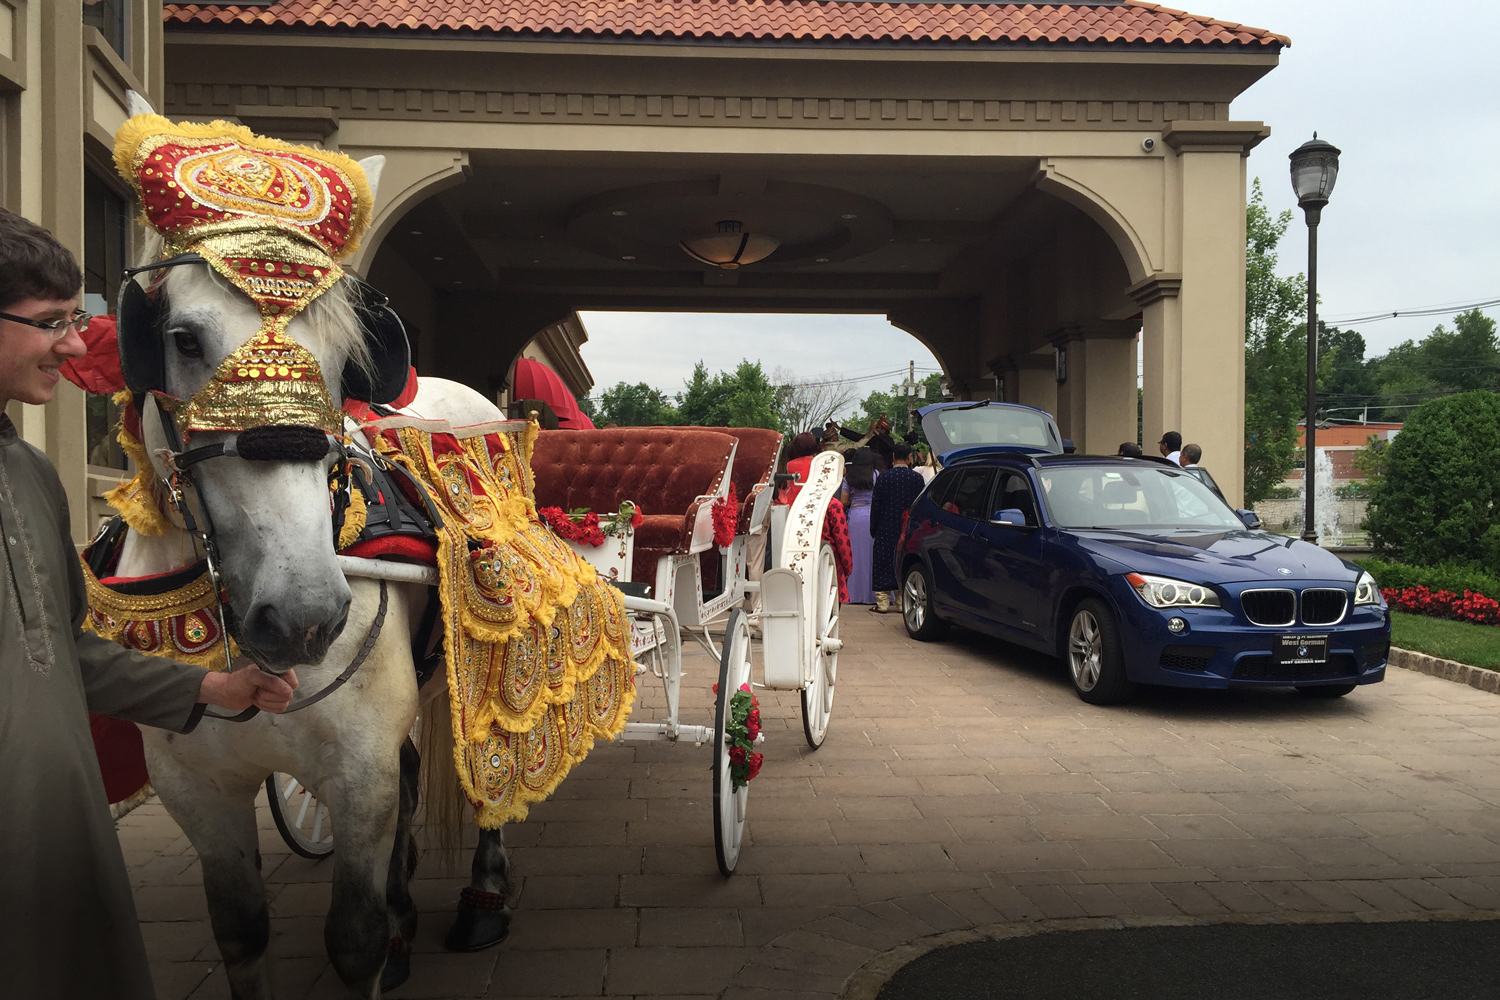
(1300, 649)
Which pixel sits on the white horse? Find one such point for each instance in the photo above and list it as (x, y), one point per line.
(291, 606)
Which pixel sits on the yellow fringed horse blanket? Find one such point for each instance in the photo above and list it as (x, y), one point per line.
(537, 646)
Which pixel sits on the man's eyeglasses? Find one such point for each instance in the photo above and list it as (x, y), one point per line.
(57, 327)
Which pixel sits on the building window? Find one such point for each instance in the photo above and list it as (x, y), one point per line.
(112, 18)
(106, 230)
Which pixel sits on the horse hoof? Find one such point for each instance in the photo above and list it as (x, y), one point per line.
(397, 966)
(482, 921)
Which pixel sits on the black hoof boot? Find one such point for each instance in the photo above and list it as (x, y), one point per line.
(482, 921)
(397, 966)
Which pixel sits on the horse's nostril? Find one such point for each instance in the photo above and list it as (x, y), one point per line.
(311, 635)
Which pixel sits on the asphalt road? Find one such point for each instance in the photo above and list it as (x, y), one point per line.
(1351, 961)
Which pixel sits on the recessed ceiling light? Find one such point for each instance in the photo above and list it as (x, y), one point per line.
(416, 232)
(850, 215)
(535, 261)
(457, 281)
(924, 239)
(628, 257)
(505, 203)
(821, 260)
(619, 211)
(437, 258)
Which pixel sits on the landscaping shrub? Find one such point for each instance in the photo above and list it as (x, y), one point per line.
(1440, 495)
(1450, 577)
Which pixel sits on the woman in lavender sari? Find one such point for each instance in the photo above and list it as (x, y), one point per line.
(861, 481)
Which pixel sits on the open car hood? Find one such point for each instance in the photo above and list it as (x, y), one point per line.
(958, 430)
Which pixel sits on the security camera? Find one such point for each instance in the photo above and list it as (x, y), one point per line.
(1148, 144)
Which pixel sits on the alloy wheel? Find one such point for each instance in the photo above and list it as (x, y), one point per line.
(914, 601)
(1085, 650)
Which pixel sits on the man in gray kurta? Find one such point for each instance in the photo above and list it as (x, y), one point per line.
(68, 926)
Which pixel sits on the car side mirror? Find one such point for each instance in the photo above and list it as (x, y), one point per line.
(1068, 446)
(1011, 517)
(1249, 517)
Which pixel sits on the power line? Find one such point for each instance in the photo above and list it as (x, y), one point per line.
(1426, 311)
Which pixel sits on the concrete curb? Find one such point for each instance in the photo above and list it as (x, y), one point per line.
(1448, 670)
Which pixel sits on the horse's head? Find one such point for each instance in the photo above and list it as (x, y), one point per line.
(270, 517)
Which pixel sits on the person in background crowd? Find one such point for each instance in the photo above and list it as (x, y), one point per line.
(861, 479)
(1130, 450)
(921, 459)
(878, 439)
(68, 927)
(893, 495)
(1170, 446)
(1191, 455)
(798, 462)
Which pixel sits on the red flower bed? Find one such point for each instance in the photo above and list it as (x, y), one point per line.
(1466, 607)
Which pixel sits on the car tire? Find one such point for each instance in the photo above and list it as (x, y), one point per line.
(1325, 690)
(917, 614)
(1095, 656)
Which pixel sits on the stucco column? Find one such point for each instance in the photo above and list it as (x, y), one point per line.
(1204, 326)
(1096, 399)
(1028, 379)
(1161, 356)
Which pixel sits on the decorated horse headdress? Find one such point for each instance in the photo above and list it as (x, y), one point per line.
(274, 219)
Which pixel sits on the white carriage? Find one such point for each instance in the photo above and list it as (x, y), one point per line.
(693, 582)
(676, 581)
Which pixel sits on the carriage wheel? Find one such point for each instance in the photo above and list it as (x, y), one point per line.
(817, 697)
(729, 804)
(303, 821)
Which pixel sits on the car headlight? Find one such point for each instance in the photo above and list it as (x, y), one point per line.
(1164, 592)
(1366, 591)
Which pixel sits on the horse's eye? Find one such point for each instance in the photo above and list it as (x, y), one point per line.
(187, 344)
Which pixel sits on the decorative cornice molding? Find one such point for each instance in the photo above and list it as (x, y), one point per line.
(319, 121)
(1094, 329)
(1155, 288)
(196, 100)
(1215, 136)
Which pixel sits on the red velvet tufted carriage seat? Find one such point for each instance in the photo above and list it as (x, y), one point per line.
(664, 469)
(754, 466)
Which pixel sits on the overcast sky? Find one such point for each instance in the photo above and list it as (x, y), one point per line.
(1406, 90)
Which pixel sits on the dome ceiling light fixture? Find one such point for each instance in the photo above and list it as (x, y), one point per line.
(730, 248)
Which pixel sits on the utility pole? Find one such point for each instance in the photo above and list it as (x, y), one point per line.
(911, 390)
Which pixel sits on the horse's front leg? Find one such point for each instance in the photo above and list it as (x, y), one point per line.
(364, 804)
(217, 812)
(483, 917)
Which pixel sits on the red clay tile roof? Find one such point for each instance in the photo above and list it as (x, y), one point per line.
(1131, 23)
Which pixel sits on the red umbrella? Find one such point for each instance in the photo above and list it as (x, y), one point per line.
(535, 380)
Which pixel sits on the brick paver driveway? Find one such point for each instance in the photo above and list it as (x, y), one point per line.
(962, 785)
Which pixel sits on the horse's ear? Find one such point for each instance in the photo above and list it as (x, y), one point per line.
(372, 166)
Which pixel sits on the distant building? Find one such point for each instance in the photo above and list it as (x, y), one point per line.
(1341, 441)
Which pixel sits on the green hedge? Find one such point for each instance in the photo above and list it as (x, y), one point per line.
(1446, 576)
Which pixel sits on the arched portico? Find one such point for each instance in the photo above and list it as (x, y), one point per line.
(1023, 212)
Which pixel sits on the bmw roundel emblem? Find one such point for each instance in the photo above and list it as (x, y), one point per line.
(1283, 571)
(1301, 650)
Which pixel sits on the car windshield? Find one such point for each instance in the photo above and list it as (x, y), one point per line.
(1108, 496)
(996, 425)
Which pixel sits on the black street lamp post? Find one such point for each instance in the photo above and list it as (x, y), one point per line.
(1315, 167)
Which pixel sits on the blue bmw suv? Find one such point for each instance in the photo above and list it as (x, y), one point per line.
(1133, 571)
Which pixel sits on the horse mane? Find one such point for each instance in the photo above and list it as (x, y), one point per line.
(330, 322)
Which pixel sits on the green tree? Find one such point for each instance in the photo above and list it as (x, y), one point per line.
(1438, 499)
(1345, 378)
(636, 405)
(1275, 352)
(741, 398)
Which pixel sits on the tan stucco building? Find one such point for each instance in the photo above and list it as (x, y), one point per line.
(1037, 193)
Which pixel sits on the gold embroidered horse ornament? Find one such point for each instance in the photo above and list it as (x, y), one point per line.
(274, 420)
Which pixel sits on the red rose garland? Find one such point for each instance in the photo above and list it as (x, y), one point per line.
(744, 732)
(581, 527)
(726, 513)
(584, 527)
